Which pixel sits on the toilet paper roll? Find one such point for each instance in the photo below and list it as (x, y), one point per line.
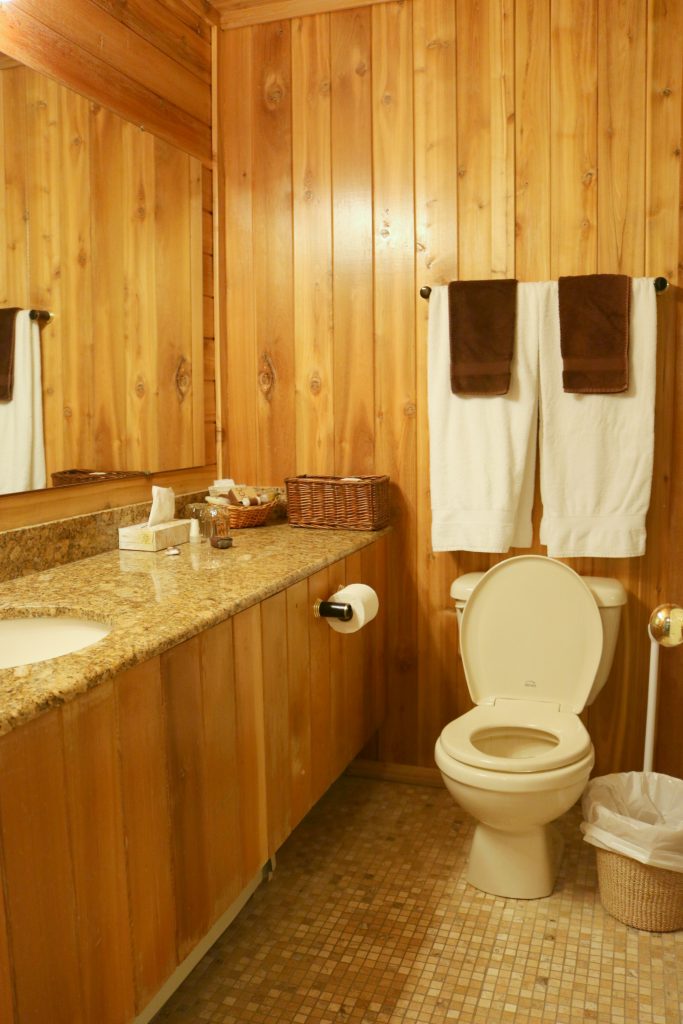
(363, 601)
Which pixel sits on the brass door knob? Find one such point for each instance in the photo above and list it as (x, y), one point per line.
(666, 625)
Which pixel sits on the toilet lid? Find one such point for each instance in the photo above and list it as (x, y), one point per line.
(531, 630)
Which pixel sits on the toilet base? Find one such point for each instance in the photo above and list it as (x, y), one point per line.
(517, 865)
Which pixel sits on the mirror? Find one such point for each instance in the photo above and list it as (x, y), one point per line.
(101, 223)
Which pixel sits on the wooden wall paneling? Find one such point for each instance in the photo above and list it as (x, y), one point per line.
(338, 681)
(352, 211)
(76, 282)
(272, 376)
(175, 216)
(93, 790)
(42, 139)
(353, 648)
(322, 737)
(374, 573)
(6, 977)
(573, 126)
(483, 140)
(198, 389)
(181, 682)
(532, 143)
(312, 207)
(276, 718)
(14, 276)
(39, 874)
(394, 325)
(668, 757)
(665, 86)
(299, 615)
(29, 40)
(139, 313)
(235, 137)
(223, 852)
(436, 214)
(108, 230)
(141, 734)
(251, 759)
(622, 131)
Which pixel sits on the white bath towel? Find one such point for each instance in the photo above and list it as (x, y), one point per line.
(482, 449)
(597, 450)
(22, 448)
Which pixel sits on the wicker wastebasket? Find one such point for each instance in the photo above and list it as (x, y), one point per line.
(640, 895)
(635, 821)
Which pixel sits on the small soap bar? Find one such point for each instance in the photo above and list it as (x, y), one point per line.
(142, 537)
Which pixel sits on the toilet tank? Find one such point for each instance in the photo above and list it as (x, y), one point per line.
(610, 597)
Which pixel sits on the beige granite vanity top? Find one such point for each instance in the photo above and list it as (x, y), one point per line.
(153, 601)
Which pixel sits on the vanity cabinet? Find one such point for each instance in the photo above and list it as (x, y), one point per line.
(133, 817)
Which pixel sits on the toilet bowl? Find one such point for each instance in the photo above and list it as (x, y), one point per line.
(537, 642)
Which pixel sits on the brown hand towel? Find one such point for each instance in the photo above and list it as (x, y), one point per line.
(481, 318)
(594, 328)
(7, 318)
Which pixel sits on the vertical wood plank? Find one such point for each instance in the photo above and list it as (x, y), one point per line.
(6, 980)
(108, 227)
(221, 770)
(273, 275)
(312, 206)
(139, 315)
(147, 826)
(622, 54)
(77, 281)
(354, 670)
(351, 114)
(395, 380)
(532, 144)
(298, 673)
(276, 714)
(235, 134)
(180, 674)
(96, 832)
(251, 760)
(14, 268)
(39, 874)
(436, 153)
(322, 772)
(573, 120)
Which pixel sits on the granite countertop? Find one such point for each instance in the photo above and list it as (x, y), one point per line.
(153, 601)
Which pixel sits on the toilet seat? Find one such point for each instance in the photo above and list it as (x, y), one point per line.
(516, 736)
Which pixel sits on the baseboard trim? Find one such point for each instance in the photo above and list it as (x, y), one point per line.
(192, 959)
(411, 774)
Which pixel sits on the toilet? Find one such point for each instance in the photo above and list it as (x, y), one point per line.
(537, 643)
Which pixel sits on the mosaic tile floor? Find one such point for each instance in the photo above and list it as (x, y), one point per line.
(367, 920)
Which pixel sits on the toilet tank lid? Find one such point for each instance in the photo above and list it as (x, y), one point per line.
(608, 592)
(462, 587)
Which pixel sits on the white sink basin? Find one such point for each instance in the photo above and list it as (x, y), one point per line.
(27, 641)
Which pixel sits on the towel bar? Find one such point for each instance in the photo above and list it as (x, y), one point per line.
(661, 284)
(42, 315)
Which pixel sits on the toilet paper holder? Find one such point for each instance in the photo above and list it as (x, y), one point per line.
(332, 610)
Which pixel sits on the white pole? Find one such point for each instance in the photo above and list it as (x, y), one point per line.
(651, 705)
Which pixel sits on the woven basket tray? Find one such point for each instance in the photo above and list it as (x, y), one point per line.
(640, 895)
(242, 516)
(332, 502)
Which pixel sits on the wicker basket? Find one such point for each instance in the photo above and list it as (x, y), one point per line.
(639, 895)
(332, 502)
(242, 516)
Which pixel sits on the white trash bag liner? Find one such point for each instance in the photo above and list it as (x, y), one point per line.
(637, 814)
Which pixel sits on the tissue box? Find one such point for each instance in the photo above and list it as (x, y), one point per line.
(142, 537)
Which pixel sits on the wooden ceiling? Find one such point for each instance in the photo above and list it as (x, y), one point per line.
(236, 13)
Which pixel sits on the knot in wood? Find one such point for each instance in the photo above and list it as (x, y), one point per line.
(183, 378)
(315, 384)
(140, 388)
